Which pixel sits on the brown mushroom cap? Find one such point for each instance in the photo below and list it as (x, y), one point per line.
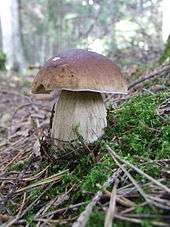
(79, 70)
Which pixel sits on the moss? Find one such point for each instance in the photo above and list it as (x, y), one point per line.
(138, 128)
(96, 219)
(30, 219)
(18, 166)
(2, 61)
(98, 174)
(134, 130)
(35, 192)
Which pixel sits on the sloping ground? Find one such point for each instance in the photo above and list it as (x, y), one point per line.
(124, 178)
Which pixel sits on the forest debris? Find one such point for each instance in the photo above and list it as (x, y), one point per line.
(12, 161)
(70, 207)
(54, 202)
(140, 190)
(160, 71)
(120, 199)
(84, 216)
(112, 206)
(33, 203)
(164, 109)
(46, 180)
(140, 221)
(5, 119)
(113, 154)
(37, 148)
(19, 212)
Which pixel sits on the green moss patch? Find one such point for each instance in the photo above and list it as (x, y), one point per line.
(135, 131)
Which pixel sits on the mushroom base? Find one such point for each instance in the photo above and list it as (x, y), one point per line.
(78, 113)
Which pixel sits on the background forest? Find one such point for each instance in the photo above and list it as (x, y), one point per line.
(128, 31)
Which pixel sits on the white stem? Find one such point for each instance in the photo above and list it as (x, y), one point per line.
(82, 110)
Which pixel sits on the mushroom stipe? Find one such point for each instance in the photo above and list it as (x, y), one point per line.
(81, 113)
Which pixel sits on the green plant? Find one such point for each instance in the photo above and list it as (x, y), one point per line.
(166, 52)
(2, 61)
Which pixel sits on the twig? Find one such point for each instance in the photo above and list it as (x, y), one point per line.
(15, 157)
(121, 199)
(55, 222)
(139, 170)
(150, 216)
(158, 72)
(112, 206)
(59, 200)
(139, 221)
(14, 187)
(18, 215)
(128, 210)
(47, 180)
(84, 216)
(140, 190)
(64, 209)
(35, 201)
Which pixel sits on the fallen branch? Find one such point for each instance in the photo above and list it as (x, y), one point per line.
(158, 72)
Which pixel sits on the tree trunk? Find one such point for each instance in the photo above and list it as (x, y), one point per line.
(165, 19)
(11, 35)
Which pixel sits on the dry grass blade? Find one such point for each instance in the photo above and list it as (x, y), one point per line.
(47, 180)
(121, 200)
(58, 201)
(112, 206)
(36, 176)
(64, 209)
(150, 216)
(138, 170)
(13, 160)
(140, 221)
(84, 216)
(35, 201)
(18, 215)
(140, 190)
(128, 210)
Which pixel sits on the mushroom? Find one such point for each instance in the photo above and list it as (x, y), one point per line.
(82, 76)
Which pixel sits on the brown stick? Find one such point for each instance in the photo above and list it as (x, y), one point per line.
(158, 72)
(84, 216)
(112, 206)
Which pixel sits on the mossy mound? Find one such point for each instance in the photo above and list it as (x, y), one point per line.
(135, 131)
(139, 128)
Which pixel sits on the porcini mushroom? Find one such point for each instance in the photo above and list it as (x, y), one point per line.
(81, 76)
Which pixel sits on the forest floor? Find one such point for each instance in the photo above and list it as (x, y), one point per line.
(121, 180)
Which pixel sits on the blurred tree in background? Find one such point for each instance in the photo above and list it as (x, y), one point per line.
(128, 31)
(12, 45)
